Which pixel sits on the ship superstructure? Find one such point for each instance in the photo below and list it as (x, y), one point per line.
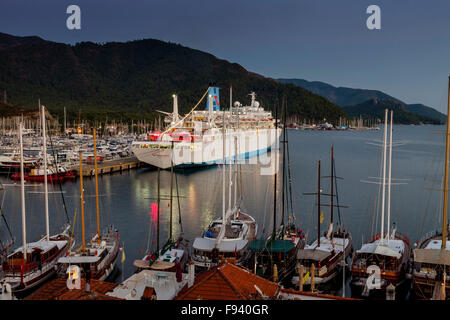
(198, 135)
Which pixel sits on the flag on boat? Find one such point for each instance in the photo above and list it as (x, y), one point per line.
(321, 217)
(123, 256)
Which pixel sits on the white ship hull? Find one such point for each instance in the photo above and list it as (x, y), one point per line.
(209, 151)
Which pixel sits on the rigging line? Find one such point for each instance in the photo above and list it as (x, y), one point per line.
(55, 157)
(283, 171)
(375, 212)
(290, 178)
(195, 107)
(427, 206)
(3, 216)
(73, 230)
(337, 196)
(179, 207)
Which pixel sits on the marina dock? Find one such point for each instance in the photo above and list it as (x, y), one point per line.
(109, 166)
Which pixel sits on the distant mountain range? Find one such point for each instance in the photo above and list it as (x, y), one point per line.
(131, 80)
(375, 109)
(362, 98)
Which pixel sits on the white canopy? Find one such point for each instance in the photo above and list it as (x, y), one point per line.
(208, 244)
(78, 259)
(393, 248)
(43, 245)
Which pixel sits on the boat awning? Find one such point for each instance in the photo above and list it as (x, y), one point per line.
(376, 248)
(434, 256)
(272, 246)
(208, 244)
(43, 245)
(78, 259)
(311, 254)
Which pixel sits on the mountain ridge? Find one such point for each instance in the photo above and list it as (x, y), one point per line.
(375, 108)
(345, 96)
(133, 79)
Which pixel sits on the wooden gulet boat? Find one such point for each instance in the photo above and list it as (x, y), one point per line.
(432, 255)
(382, 262)
(230, 235)
(52, 174)
(331, 249)
(97, 257)
(35, 262)
(173, 256)
(274, 258)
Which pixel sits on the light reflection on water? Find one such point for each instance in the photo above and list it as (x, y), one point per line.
(126, 198)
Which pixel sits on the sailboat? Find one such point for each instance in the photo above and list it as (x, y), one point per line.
(330, 249)
(432, 255)
(230, 235)
(98, 256)
(382, 262)
(35, 262)
(174, 254)
(274, 257)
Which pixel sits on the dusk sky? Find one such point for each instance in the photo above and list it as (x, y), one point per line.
(323, 40)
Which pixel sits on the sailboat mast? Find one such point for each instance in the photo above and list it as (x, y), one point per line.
(283, 194)
(332, 187)
(384, 175)
(389, 180)
(230, 151)
(275, 177)
(318, 205)
(82, 202)
(22, 194)
(223, 165)
(447, 147)
(44, 150)
(171, 194)
(65, 121)
(157, 219)
(96, 186)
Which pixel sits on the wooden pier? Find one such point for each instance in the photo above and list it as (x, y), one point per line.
(108, 166)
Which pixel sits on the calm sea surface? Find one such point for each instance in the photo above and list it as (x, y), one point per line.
(125, 199)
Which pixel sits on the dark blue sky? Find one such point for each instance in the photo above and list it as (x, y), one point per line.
(325, 40)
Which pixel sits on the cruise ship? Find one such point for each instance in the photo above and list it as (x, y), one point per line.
(196, 138)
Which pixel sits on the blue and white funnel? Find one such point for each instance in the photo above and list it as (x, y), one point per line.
(214, 93)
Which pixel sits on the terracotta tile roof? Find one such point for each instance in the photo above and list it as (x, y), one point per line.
(57, 290)
(228, 282)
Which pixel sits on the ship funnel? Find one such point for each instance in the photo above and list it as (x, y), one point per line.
(175, 117)
(214, 93)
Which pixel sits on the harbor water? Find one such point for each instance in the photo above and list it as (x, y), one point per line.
(126, 198)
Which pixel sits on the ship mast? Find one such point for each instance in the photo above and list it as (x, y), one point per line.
(318, 205)
(82, 202)
(389, 180)
(22, 189)
(44, 150)
(223, 164)
(283, 195)
(332, 192)
(447, 147)
(96, 187)
(275, 178)
(384, 175)
(230, 150)
(157, 220)
(171, 194)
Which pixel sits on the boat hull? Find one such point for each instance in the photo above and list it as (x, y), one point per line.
(250, 143)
